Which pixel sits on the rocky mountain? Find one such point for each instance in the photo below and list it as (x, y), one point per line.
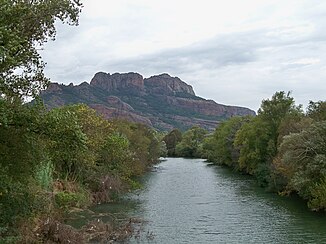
(161, 101)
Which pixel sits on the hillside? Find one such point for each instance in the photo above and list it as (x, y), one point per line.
(161, 101)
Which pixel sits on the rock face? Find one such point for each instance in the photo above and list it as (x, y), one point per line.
(164, 84)
(161, 101)
(118, 82)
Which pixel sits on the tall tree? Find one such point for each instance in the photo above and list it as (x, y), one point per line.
(302, 160)
(317, 110)
(259, 139)
(25, 25)
(225, 151)
(171, 140)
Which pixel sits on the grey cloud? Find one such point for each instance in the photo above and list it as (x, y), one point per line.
(239, 68)
(234, 49)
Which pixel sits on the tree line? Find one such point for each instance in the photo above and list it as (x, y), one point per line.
(283, 147)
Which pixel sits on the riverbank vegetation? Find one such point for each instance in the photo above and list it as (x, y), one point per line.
(69, 157)
(188, 144)
(283, 147)
(54, 161)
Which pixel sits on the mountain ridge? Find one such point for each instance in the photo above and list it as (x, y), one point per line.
(160, 101)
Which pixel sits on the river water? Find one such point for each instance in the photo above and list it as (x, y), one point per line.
(190, 201)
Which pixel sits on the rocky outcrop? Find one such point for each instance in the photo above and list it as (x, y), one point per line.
(167, 85)
(118, 82)
(53, 88)
(208, 107)
(161, 101)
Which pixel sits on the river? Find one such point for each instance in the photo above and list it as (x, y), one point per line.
(191, 201)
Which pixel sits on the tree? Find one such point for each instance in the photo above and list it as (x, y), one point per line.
(25, 26)
(258, 140)
(67, 143)
(317, 110)
(209, 148)
(191, 143)
(116, 156)
(273, 111)
(290, 125)
(143, 144)
(224, 135)
(21, 153)
(256, 146)
(303, 163)
(171, 140)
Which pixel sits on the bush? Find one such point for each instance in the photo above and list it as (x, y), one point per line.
(66, 200)
(16, 203)
(318, 193)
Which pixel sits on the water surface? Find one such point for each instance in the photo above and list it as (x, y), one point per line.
(190, 201)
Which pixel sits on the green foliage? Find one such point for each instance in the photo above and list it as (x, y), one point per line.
(303, 162)
(317, 110)
(256, 147)
(16, 200)
(191, 145)
(223, 138)
(115, 155)
(274, 111)
(44, 174)
(67, 142)
(281, 147)
(318, 196)
(19, 127)
(259, 139)
(66, 200)
(24, 27)
(71, 144)
(171, 140)
(144, 143)
(209, 148)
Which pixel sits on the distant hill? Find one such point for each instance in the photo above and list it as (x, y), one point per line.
(161, 101)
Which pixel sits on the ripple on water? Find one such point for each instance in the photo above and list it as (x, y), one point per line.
(187, 202)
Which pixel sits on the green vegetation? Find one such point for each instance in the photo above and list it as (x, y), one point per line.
(171, 140)
(52, 161)
(70, 153)
(282, 147)
(24, 27)
(189, 144)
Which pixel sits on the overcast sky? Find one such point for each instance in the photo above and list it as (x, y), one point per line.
(236, 52)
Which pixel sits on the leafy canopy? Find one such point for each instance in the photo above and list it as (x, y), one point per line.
(25, 25)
